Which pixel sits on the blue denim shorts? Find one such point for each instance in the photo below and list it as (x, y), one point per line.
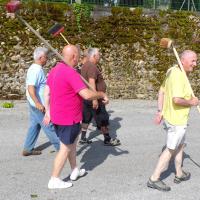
(67, 133)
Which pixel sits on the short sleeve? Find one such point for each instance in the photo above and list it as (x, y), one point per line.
(32, 77)
(76, 82)
(162, 87)
(92, 73)
(49, 78)
(177, 84)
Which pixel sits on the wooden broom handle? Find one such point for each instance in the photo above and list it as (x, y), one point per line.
(64, 38)
(49, 46)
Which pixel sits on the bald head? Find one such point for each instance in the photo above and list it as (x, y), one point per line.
(187, 53)
(189, 60)
(71, 55)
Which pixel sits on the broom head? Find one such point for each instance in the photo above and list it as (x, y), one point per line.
(56, 29)
(165, 43)
(12, 6)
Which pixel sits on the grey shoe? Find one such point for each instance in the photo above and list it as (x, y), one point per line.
(31, 153)
(112, 142)
(159, 185)
(185, 176)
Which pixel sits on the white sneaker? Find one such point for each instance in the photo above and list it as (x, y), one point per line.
(77, 173)
(56, 183)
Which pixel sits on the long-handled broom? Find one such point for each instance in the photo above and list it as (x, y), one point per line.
(57, 29)
(12, 7)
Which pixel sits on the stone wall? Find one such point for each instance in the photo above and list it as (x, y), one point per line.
(132, 63)
(126, 78)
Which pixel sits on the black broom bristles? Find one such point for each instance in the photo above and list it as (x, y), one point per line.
(56, 29)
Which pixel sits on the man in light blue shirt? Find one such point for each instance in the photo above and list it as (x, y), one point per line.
(35, 83)
(36, 78)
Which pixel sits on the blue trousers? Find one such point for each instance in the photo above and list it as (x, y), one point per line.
(36, 118)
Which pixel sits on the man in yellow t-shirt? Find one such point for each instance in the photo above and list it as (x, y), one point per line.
(174, 102)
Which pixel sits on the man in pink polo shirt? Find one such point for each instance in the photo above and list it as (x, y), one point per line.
(64, 93)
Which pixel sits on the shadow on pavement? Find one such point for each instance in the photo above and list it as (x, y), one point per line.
(96, 153)
(193, 161)
(114, 125)
(172, 169)
(169, 171)
(68, 177)
(43, 146)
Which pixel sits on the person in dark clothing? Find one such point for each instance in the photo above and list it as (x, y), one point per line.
(96, 108)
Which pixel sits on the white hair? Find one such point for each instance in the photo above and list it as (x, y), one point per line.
(92, 51)
(38, 52)
(185, 53)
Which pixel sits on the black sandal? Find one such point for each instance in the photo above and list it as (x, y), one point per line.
(185, 176)
(85, 141)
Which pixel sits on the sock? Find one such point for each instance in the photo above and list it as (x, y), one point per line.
(83, 135)
(106, 137)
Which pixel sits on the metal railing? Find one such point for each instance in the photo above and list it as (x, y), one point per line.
(190, 5)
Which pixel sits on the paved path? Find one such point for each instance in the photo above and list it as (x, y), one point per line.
(113, 173)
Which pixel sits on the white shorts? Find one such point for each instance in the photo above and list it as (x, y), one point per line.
(175, 135)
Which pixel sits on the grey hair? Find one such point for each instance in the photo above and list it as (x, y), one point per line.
(92, 51)
(186, 53)
(38, 52)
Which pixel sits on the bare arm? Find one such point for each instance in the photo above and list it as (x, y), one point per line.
(91, 95)
(187, 103)
(158, 117)
(93, 84)
(46, 98)
(47, 105)
(31, 91)
(160, 100)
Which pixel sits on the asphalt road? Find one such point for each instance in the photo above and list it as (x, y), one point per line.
(114, 173)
